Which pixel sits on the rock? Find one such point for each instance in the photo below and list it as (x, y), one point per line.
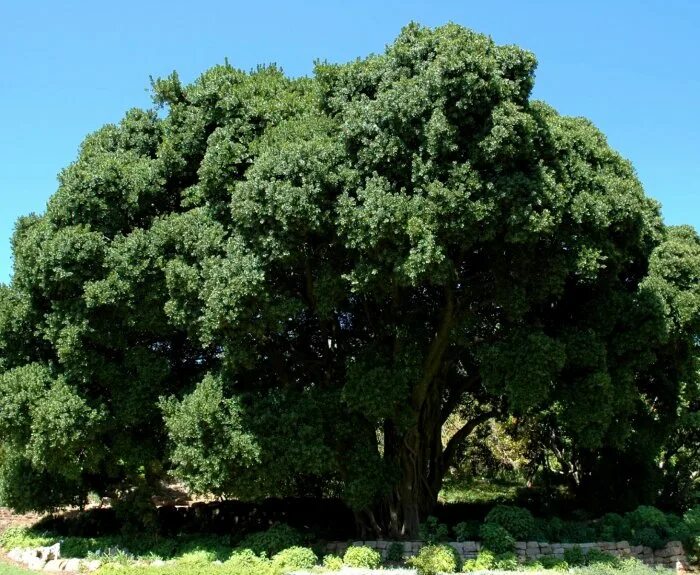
(36, 563)
(53, 565)
(533, 545)
(471, 545)
(72, 565)
(157, 563)
(16, 554)
(520, 545)
(52, 552)
(93, 565)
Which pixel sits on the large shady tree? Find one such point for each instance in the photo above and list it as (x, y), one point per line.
(283, 285)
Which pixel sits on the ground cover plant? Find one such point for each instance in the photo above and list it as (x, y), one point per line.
(270, 286)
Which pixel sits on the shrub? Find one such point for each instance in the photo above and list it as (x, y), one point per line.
(506, 562)
(678, 529)
(245, 562)
(517, 521)
(649, 537)
(577, 532)
(294, 559)
(484, 561)
(613, 527)
(394, 553)
(466, 530)
(333, 562)
(692, 520)
(270, 542)
(553, 562)
(647, 516)
(574, 556)
(495, 538)
(432, 531)
(433, 559)
(364, 557)
(598, 557)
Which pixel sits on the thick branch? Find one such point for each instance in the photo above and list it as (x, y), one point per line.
(436, 350)
(454, 442)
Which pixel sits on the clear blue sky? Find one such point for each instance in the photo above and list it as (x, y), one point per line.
(68, 67)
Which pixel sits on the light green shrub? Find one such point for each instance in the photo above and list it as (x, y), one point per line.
(333, 562)
(433, 559)
(363, 557)
(484, 560)
(294, 559)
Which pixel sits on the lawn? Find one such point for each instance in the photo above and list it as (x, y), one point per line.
(6, 569)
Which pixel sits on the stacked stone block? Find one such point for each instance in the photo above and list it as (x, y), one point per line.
(672, 556)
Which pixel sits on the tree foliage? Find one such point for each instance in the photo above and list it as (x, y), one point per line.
(274, 283)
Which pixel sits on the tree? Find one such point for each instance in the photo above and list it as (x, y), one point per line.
(295, 282)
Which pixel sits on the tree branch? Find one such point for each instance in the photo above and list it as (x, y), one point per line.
(436, 350)
(451, 448)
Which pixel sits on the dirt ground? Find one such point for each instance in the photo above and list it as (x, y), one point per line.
(10, 519)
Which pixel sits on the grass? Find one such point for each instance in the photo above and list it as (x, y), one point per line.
(121, 549)
(6, 569)
(480, 491)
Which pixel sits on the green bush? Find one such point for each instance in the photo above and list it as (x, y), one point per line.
(363, 557)
(433, 559)
(484, 561)
(270, 542)
(574, 556)
(646, 516)
(294, 559)
(692, 520)
(246, 562)
(333, 562)
(678, 529)
(577, 532)
(432, 531)
(649, 537)
(613, 527)
(394, 553)
(466, 530)
(553, 562)
(495, 538)
(598, 557)
(517, 521)
(506, 562)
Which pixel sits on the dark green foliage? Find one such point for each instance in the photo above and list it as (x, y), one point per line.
(272, 283)
(466, 530)
(362, 557)
(577, 532)
(394, 553)
(496, 539)
(432, 531)
(649, 537)
(517, 521)
(435, 559)
(277, 538)
(574, 556)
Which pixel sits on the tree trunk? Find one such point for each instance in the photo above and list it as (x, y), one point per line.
(417, 453)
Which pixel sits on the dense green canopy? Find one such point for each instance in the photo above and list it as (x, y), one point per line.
(273, 285)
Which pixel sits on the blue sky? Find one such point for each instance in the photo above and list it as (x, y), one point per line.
(68, 67)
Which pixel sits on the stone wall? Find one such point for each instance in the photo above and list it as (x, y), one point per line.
(672, 556)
